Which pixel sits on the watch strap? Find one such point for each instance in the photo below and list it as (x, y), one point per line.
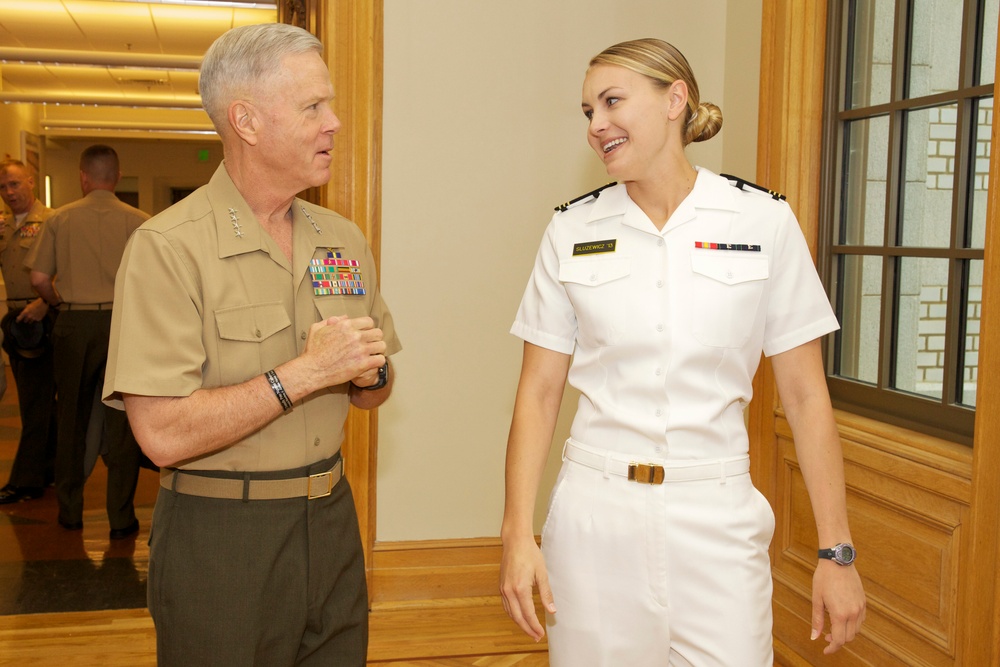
(383, 379)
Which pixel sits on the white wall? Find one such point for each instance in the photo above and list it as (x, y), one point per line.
(483, 136)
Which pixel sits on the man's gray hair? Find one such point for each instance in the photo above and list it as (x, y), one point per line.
(241, 58)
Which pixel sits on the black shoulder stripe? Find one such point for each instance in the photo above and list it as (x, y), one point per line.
(743, 185)
(593, 193)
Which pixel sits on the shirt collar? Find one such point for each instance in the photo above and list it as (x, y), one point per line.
(239, 232)
(710, 192)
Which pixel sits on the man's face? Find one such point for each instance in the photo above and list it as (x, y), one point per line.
(299, 123)
(16, 189)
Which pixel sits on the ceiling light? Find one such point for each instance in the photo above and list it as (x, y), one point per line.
(236, 4)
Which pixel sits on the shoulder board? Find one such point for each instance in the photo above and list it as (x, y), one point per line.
(593, 193)
(753, 187)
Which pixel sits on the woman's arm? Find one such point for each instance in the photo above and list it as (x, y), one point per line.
(536, 408)
(837, 589)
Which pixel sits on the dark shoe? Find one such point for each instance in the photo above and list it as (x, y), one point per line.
(122, 533)
(71, 525)
(10, 494)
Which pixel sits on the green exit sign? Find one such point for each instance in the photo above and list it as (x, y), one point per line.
(203, 155)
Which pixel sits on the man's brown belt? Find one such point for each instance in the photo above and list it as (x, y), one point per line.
(311, 486)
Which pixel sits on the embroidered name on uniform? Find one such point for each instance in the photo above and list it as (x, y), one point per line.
(727, 246)
(334, 274)
(594, 247)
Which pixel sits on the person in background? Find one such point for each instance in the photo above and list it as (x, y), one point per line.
(655, 297)
(73, 266)
(33, 370)
(267, 325)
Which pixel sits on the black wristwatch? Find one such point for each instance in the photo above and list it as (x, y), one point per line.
(842, 554)
(383, 379)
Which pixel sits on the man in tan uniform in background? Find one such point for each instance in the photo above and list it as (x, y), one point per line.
(81, 247)
(33, 373)
(268, 324)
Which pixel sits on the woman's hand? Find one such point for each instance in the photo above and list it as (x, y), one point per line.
(837, 591)
(521, 569)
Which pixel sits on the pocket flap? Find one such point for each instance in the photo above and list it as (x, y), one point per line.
(729, 269)
(251, 323)
(594, 271)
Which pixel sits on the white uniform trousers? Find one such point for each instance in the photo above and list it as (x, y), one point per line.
(672, 574)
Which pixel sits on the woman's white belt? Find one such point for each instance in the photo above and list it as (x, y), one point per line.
(622, 465)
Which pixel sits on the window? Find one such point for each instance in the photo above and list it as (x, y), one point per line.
(906, 170)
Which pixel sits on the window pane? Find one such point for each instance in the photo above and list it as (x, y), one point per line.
(870, 52)
(866, 145)
(979, 180)
(859, 304)
(921, 316)
(973, 311)
(929, 172)
(935, 46)
(988, 51)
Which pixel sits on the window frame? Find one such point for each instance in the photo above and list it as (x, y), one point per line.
(943, 417)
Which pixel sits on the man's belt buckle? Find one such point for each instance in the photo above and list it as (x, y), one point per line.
(320, 485)
(645, 474)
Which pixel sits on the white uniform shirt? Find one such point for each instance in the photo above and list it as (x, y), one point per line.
(666, 334)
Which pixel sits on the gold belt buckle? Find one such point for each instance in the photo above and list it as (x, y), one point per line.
(645, 474)
(323, 488)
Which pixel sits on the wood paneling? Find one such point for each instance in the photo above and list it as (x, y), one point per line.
(923, 511)
(906, 514)
(436, 569)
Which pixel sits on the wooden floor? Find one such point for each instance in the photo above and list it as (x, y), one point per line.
(461, 632)
(125, 638)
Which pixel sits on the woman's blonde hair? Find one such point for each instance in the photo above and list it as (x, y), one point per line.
(664, 64)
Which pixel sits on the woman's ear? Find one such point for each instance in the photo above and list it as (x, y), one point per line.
(678, 99)
(243, 120)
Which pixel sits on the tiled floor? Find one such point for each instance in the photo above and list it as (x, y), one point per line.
(44, 568)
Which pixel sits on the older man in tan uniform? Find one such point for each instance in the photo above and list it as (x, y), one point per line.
(33, 373)
(81, 247)
(267, 324)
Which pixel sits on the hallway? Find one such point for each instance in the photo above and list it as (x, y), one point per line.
(44, 568)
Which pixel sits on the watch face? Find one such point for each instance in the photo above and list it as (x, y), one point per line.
(845, 553)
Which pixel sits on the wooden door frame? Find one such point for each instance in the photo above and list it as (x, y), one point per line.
(351, 32)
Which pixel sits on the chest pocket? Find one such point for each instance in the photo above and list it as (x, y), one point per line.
(598, 289)
(726, 295)
(247, 340)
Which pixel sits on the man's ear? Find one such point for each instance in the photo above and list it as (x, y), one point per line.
(243, 120)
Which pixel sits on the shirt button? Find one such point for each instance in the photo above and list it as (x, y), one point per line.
(659, 412)
(659, 371)
(659, 283)
(257, 333)
(729, 274)
(316, 442)
(659, 242)
(303, 335)
(593, 277)
(659, 327)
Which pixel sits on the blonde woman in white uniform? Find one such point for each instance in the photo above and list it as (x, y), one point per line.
(655, 298)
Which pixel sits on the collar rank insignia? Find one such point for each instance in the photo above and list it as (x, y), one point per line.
(747, 186)
(335, 274)
(593, 193)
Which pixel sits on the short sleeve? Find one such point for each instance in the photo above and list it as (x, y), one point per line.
(546, 317)
(156, 346)
(798, 308)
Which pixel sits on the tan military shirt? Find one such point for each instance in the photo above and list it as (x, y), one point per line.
(206, 298)
(82, 245)
(15, 242)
